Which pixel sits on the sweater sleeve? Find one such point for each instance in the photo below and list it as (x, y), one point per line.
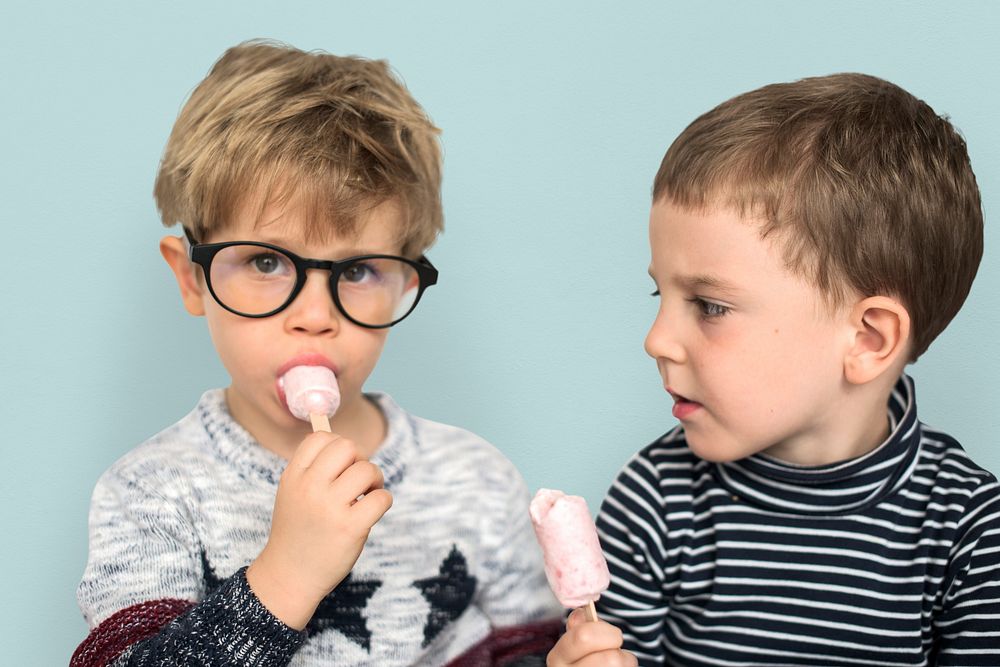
(968, 625)
(632, 530)
(143, 591)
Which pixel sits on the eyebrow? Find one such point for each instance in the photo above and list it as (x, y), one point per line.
(706, 281)
(352, 251)
(698, 282)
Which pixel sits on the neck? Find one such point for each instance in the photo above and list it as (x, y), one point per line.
(357, 419)
(852, 426)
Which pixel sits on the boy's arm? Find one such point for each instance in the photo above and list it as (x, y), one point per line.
(968, 625)
(631, 525)
(144, 576)
(229, 627)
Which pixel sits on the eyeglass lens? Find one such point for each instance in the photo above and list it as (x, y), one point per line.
(254, 280)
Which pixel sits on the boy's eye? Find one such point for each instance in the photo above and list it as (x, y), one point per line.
(357, 273)
(709, 309)
(266, 262)
(268, 265)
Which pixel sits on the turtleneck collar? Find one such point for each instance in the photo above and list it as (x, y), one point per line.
(234, 445)
(836, 488)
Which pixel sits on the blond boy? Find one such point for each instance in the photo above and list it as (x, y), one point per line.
(808, 241)
(308, 188)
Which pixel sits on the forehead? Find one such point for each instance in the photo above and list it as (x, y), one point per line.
(292, 224)
(712, 240)
(719, 253)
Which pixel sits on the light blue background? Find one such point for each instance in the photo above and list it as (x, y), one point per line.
(555, 117)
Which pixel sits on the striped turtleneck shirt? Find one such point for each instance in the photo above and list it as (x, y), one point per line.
(891, 558)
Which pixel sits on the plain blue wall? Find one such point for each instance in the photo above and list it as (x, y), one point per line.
(555, 117)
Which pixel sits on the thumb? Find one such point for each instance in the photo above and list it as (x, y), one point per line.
(576, 618)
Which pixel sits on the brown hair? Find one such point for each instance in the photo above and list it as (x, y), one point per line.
(866, 187)
(339, 135)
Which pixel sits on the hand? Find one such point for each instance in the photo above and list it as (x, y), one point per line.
(589, 644)
(318, 527)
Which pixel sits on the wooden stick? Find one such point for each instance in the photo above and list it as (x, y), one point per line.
(590, 611)
(320, 423)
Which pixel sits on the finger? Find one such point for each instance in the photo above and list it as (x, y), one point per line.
(371, 508)
(586, 638)
(359, 478)
(310, 447)
(561, 652)
(331, 462)
(609, 658)
(576, 617)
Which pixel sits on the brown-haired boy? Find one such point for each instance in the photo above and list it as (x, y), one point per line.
(809, 240)
(308, 187)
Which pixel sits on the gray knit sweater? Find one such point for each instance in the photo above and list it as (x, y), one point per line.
(451, 574)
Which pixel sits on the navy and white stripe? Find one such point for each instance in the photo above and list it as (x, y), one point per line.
(892, 558)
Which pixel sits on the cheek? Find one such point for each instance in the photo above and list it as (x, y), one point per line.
(786, 367)
(745, 372)
(363, 350)
(239, 342)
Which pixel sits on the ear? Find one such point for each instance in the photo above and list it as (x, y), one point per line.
(192, 291)
(880, 327)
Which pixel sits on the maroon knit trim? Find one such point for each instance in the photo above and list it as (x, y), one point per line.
(505, 645)
(123, 628)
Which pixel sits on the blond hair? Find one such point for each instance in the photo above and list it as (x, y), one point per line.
(338, 135)
(868, 190)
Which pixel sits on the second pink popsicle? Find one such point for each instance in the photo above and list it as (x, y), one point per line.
(574, 562)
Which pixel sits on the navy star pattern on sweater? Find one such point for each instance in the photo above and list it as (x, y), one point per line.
(212, 580)
(175, 522)
(341, 610)
(449, 593)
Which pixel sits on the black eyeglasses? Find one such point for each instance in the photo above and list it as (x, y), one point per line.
(256, 279)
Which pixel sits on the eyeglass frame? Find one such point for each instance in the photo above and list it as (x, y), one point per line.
(202, 254)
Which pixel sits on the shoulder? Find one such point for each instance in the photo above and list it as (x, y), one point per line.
(666, 458)
(454, 455)
(950, 464)
(161, 464)
(449, 447)
(955, 480)
(664, 470)
(453, 446)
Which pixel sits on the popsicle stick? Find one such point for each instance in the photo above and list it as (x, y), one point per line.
(320, 423)
(590, 611)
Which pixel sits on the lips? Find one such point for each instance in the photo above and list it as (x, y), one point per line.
(683, 406)
(306, 359)
(677, 396)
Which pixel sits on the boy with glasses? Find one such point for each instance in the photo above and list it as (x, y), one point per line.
(308, 187)
(808, 240)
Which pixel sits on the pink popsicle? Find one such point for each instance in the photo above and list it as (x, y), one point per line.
(312, 394)
(574, 562)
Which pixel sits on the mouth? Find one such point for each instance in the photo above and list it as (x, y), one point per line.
(684, 407)
(677, 396)
(307, 359)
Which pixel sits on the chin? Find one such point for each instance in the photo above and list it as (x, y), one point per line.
(715, 451)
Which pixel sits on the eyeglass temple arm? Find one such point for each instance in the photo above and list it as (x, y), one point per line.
(432, 274)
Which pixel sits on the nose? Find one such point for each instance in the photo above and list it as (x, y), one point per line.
(663, 342)
(313, 310)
